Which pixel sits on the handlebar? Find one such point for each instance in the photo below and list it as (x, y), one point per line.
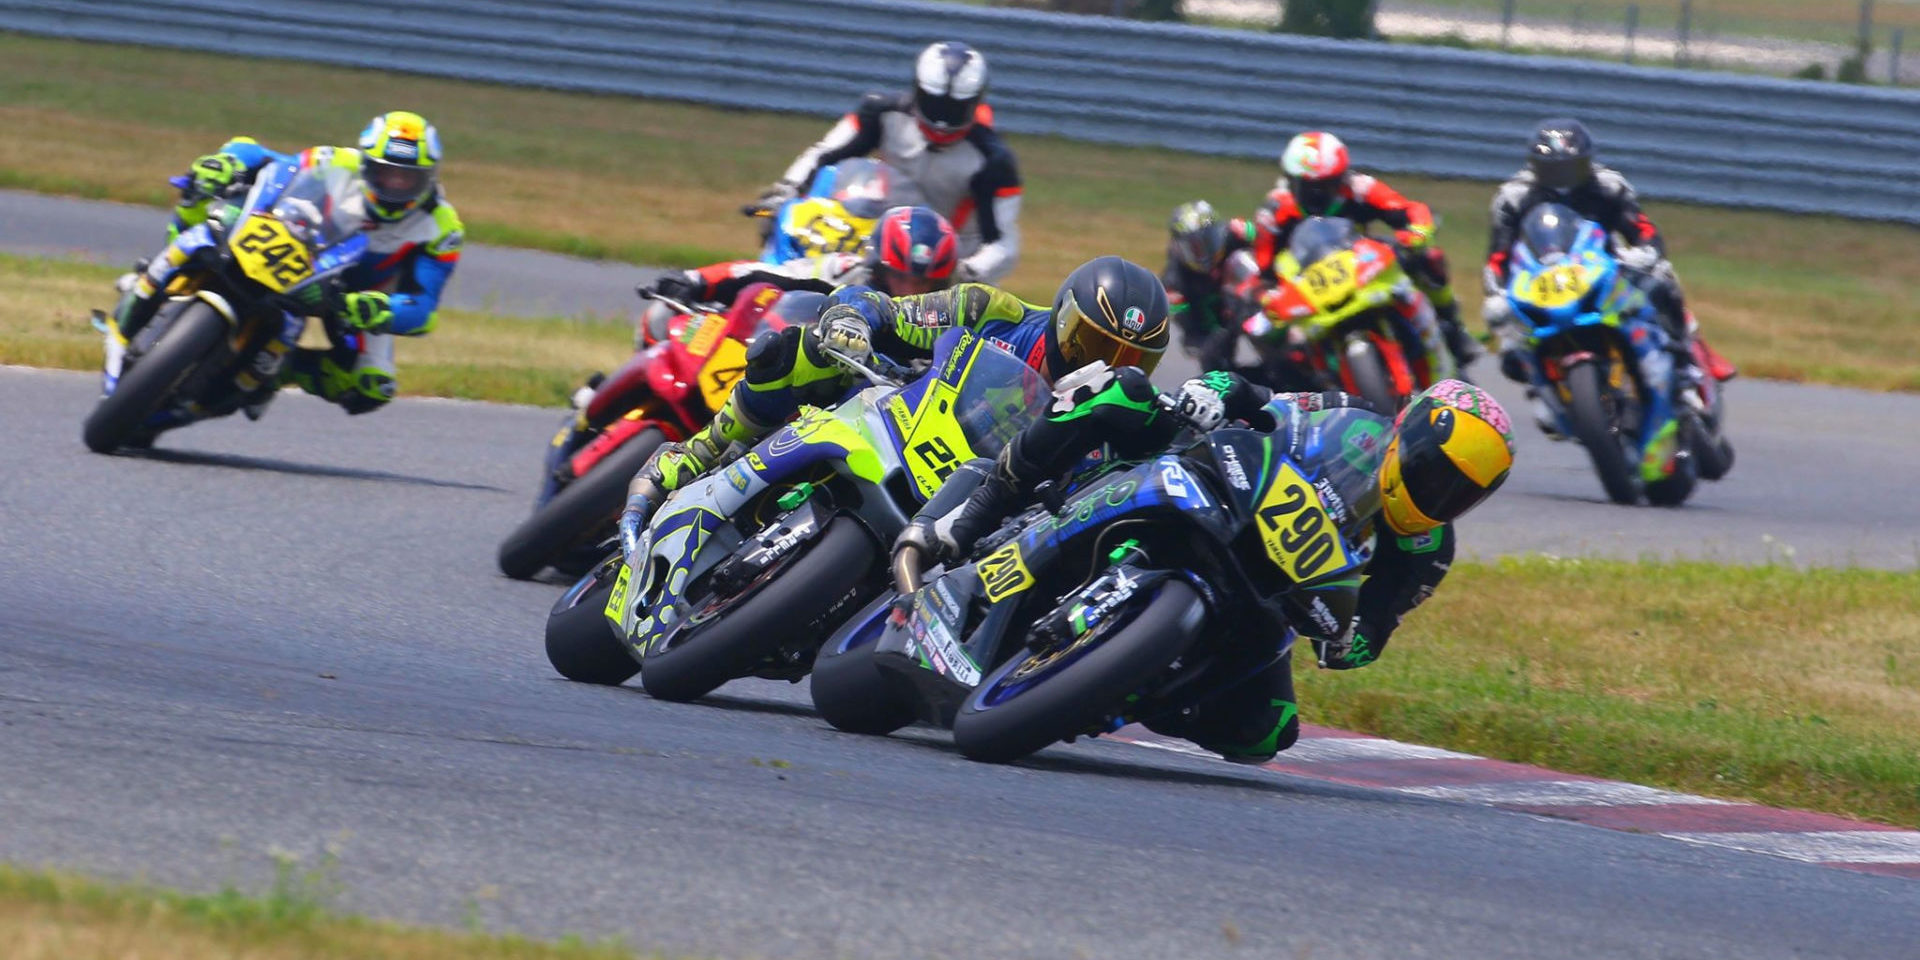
(648, 293)
(891, 374)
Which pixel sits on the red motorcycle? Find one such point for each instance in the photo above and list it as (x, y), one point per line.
(689, 359)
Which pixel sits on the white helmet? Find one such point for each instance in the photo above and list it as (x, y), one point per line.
(949, 81)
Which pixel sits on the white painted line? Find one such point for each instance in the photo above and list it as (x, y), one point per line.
(1337, 749)
(1538, 793)
(1835, 846)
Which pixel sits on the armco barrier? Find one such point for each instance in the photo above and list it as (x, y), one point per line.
(1789, 145)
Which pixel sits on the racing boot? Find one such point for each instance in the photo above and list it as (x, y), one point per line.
(1460, 343)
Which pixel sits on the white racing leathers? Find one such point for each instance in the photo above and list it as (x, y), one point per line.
(973, 183)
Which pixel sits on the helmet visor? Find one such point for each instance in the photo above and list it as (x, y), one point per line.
(1083, 341)
(904, 283)
(1561, 173)
(1199, 250)
(396, 184)
(943, 112)
(1440, 451)
(1317, 197)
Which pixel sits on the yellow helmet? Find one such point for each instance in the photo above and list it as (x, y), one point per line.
(1451, 447)
(400, 157)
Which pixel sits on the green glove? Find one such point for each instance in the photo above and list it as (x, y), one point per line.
(368, 312)
(211, 174)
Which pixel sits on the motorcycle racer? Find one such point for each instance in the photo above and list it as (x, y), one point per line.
(1561, 169)
(912, 250)
(1106, 310)
(1198, 245)
(1448, 450)
(940, 135)
(1319, 182)
(414, 239)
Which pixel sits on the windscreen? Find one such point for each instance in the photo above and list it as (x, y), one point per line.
(1317, 238)
(1551, 230)
(311, 205)
(999, 396)
(867, 188)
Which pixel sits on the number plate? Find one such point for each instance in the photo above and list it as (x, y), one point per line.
(1003, 572)
(1559, 286)
(1329, 281)
(617, 600)
(934, 443)
(722, 370)
(1301, 539)
(268, 253)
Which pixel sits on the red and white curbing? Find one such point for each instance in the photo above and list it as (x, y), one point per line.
(1337, 756)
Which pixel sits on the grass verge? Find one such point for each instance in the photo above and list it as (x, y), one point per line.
(1798, 688)
(57, 916)
(1790, 297)
(476, 356)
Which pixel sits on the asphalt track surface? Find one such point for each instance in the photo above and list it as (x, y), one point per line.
(290, 635)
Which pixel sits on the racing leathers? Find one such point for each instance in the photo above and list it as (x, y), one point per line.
(1606, 198)
(1114, 413)
(974, 183)
(1201, 305)
(790, 367)
(1364, 199)
(722, 282)
(394, 290)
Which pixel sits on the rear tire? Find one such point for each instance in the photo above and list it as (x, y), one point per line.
(576, 511)
(116, 419)
(1596, 431)
(582, 645)
(728, 647)
(850, 690)
(1084, 691)
(1370, 376)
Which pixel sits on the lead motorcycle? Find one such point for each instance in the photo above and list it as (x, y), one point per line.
(838, 212)
(1135, 598)
(691, 358)
(248, 280)
(744, 570)
(1593, 342)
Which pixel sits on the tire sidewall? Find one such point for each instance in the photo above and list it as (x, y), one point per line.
(560, 523)
(194, 332)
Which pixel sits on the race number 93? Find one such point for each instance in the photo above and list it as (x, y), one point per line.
(1559, 286)
(270, 255)
(1299, 536)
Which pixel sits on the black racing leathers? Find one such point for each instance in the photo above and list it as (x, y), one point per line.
(1115, 413)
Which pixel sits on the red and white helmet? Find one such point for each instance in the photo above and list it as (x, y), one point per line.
(949, 81)
(1316, 166)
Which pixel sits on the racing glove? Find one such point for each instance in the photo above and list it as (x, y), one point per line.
(843, 327)
(774, 197)
(1416, 237)
(1348, 652)
(682, 286)
(368, 311)
(1201, 401)
(210, 175)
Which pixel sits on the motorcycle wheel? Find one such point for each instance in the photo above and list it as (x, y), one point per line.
(850, 691)
(577, 510)
(1370, 376)
(1594, 426)
(115, 421)
(996, 727)
(581, 644)
(728, 646)
(1675, 489)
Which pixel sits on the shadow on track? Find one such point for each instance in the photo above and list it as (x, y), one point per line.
(234, 461)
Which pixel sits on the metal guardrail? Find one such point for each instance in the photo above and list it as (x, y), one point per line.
(1727, 139)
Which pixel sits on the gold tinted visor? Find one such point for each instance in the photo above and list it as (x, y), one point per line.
(1083, 341)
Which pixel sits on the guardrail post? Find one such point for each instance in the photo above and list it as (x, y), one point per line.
(1682, 54)
(1506, 22)
(1866, 27)
(1893, 54)
(1633, 27)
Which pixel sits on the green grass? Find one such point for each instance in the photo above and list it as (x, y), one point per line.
(1783, 686)
(46, 915)
(477, 356)
(1794, 297)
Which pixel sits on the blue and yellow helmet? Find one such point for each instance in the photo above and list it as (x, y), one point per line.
(399, 162)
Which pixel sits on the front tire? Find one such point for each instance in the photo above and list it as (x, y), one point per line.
(996, 727)
(774, 616)
(1370, 377)
(577, 510)
(581, 644)
(850, 690)
(117, 419)
(1593, 425)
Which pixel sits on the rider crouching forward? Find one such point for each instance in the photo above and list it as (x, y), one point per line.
(1107, 310)
(1449, 449)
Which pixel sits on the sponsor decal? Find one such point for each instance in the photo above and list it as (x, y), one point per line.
(1336, 504)
(946, 655)
(403, 150)
(738, 477)
(1323, 618)
(1236, 474)
(1133, 321)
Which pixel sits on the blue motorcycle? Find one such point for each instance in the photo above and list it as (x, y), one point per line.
(838, 212)
(1603, 367)
(1139, 595)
